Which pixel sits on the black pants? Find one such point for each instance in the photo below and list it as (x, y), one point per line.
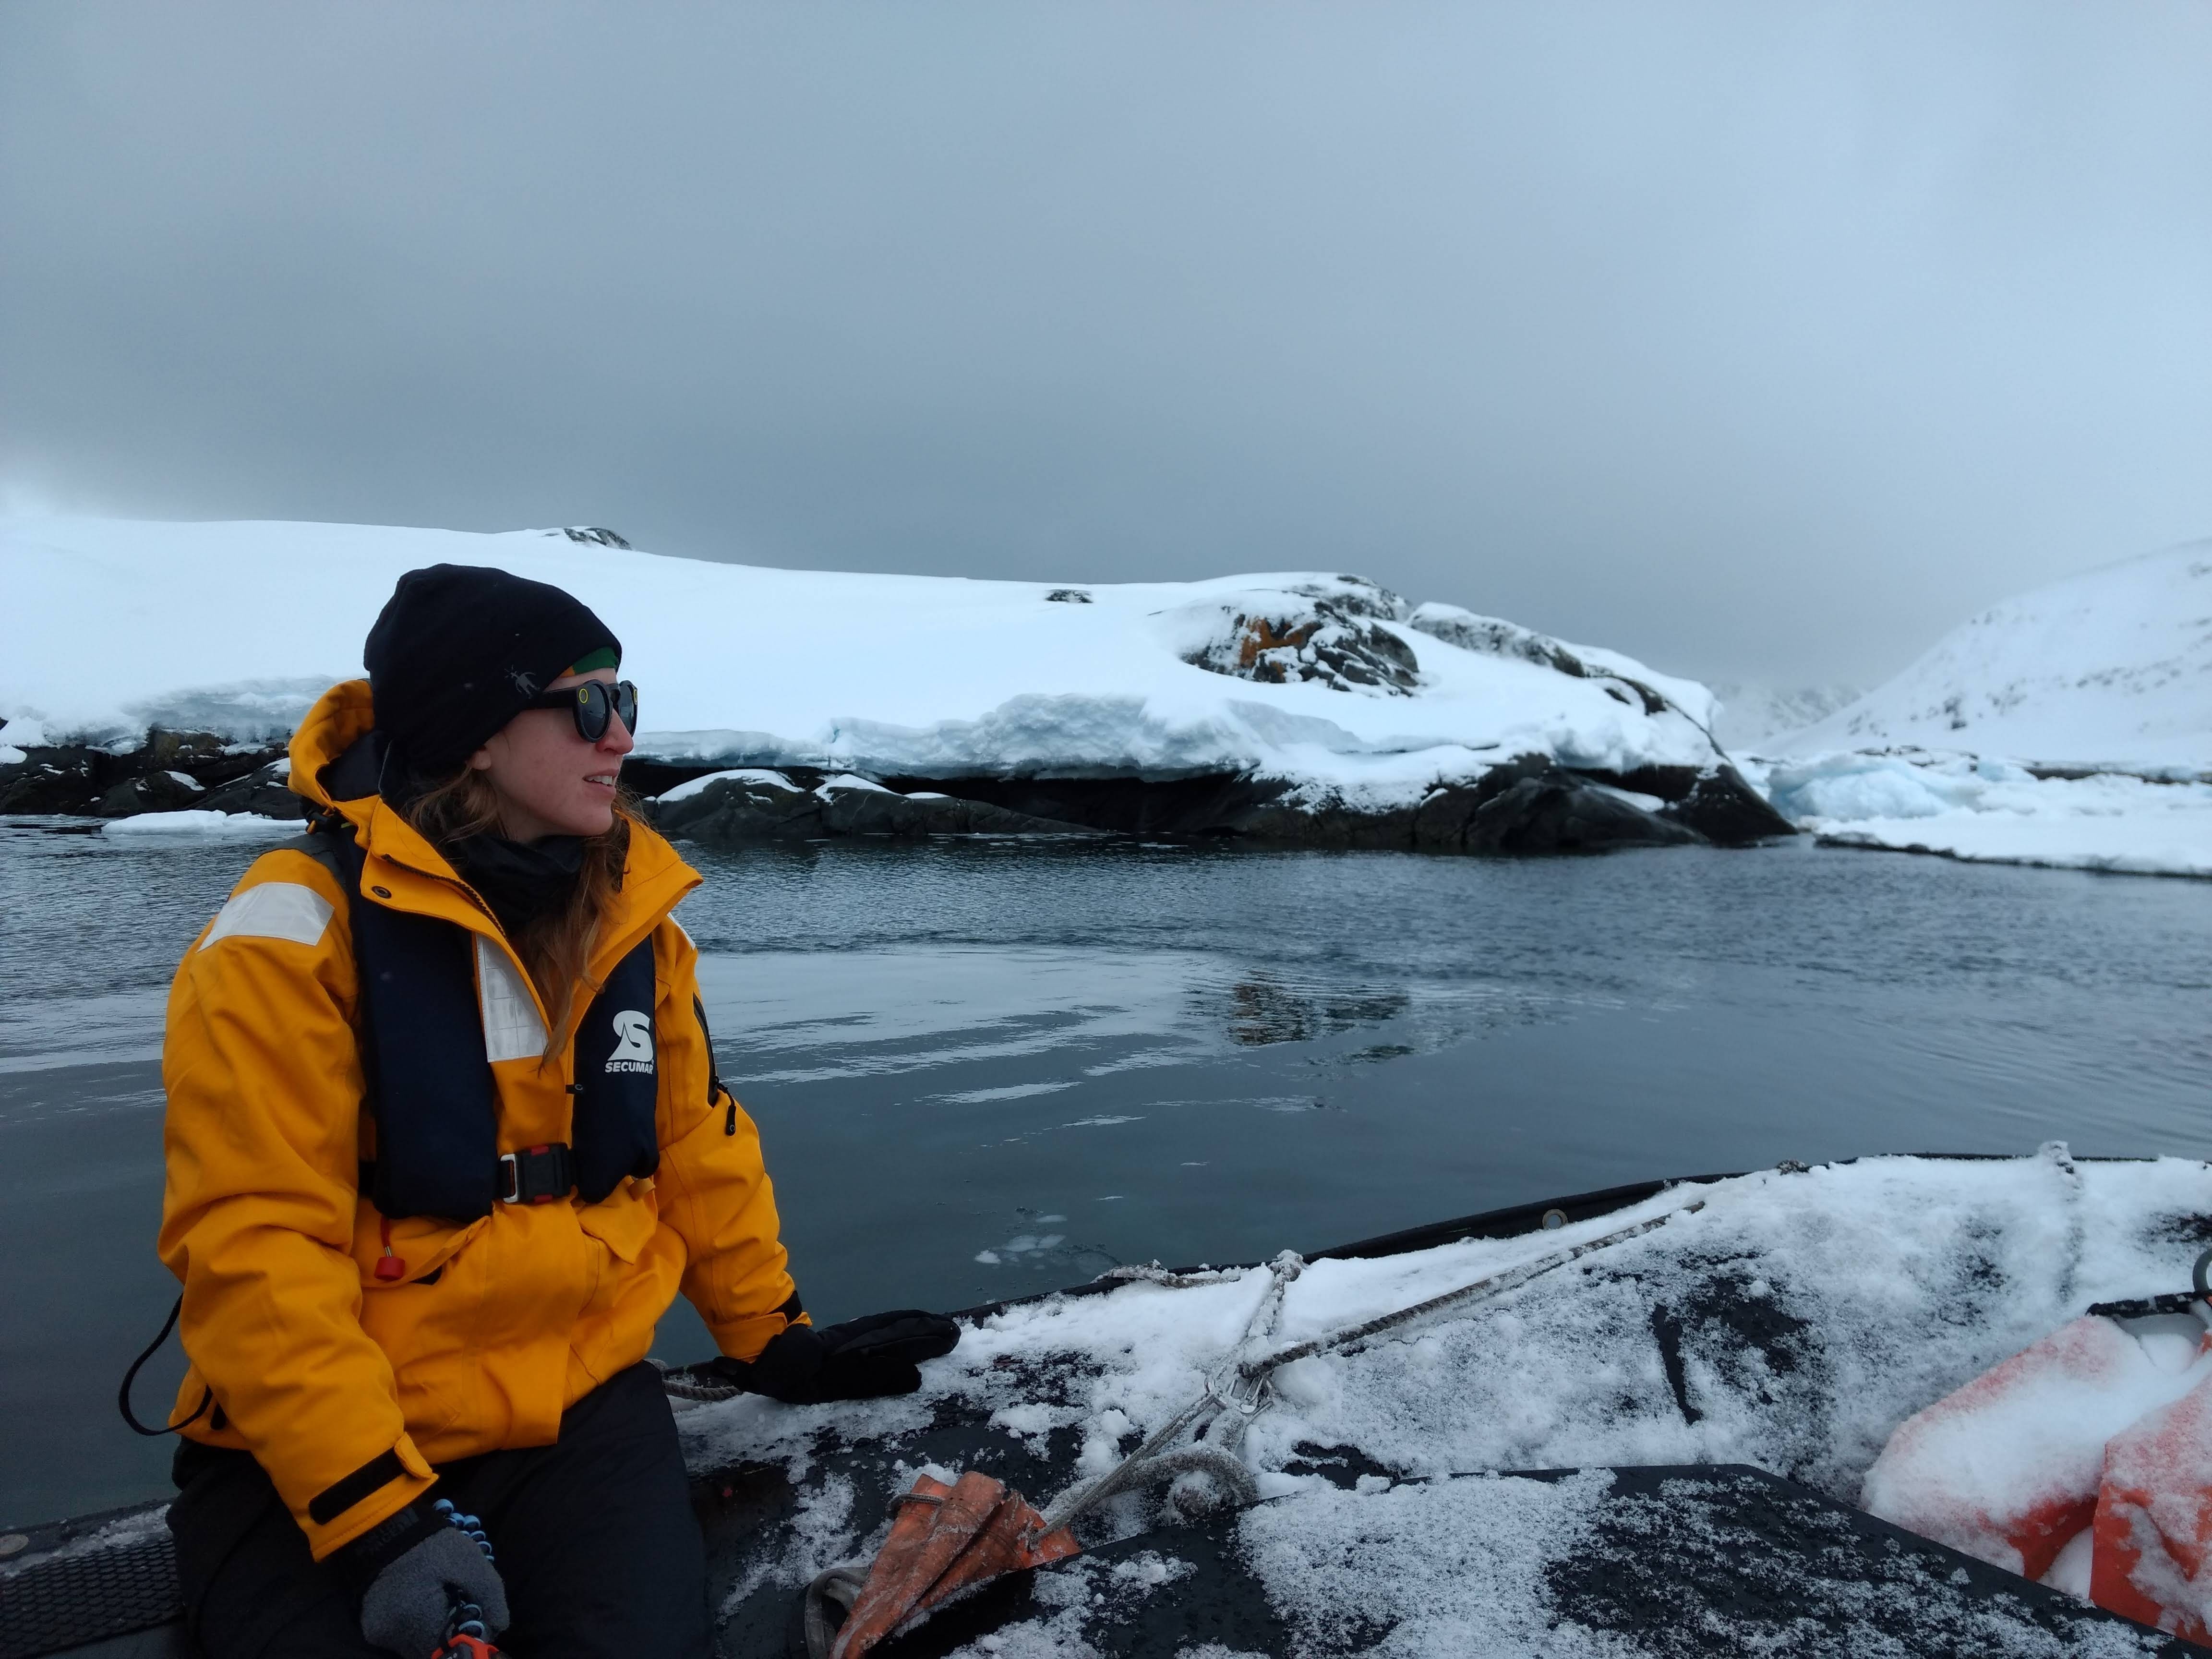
(594, 1536)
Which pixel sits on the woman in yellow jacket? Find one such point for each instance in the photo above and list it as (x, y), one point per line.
(444, 1139)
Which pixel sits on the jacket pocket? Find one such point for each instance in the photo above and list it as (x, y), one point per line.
(424, 1243)
(426, 1323)
(625, 1222)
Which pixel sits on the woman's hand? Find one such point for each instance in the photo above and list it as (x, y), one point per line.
(859, 1359)
(414, 1570)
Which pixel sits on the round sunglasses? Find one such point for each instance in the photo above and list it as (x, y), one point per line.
(592, 702)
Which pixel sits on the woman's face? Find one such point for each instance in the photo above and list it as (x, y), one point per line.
(549, 781)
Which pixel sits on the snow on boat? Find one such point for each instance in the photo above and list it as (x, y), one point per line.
(1658, 1448)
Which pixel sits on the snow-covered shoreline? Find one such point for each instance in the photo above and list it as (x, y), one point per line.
(1334, 702)
(163, 665)
(1995, 811)
(234, 628)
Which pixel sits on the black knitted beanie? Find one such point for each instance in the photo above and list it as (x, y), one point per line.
(460, 650)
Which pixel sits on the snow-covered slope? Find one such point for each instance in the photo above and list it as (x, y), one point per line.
(1751, 717)
(2110, 668)
(112, 626)
(2105, 673)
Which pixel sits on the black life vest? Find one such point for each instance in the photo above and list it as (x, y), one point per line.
(427, 990)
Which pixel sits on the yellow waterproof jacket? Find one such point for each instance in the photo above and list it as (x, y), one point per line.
(346, 1387)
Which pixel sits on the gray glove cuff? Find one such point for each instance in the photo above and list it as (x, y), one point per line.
(407, 1605)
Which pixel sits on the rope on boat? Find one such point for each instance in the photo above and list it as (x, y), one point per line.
(677, 1386)
(1231, 1392)
(1153, 1274)
(1243, 1385)
(1496, 1285)
(1236, 1391)
(840, 1585)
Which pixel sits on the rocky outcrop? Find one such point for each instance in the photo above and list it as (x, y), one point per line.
(1494, 636)
(1528, 805)
(1210, 806)
(52, 778)
(265, 791)
(168, 771)
(1549, 812)
(151, 792)
(1726, 810)
(1340, 635)
(763, 805)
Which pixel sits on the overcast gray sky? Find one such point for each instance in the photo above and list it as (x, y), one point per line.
(1762, 340)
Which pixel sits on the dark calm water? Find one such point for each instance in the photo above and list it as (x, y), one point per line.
(990, 1068)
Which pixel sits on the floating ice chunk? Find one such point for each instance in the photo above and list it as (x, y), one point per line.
(200, 820)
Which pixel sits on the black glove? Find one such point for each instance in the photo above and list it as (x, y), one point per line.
(858, 1359)
(413, 1570)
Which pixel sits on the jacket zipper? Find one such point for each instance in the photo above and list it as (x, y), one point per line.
(715, 1089)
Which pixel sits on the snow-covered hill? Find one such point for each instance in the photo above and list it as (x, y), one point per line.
(1751, 717)
(1328, 683)
(2013, 740)
(2112, 668)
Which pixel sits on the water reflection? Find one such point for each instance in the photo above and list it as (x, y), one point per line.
(1266, 1009)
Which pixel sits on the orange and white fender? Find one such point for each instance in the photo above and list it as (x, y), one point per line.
(2154, 1526)
(2014, 1466)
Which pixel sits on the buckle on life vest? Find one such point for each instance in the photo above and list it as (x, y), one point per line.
(536, 1175)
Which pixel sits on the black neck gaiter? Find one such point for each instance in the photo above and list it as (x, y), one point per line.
(521, 883)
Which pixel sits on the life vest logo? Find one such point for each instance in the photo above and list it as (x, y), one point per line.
(634, 1042)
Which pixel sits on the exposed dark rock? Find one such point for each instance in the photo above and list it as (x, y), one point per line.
(1068, 596)
(647, 779)
(1338, 636)
(594, 536)
(1669, 783)
(151, 792)
(1493, 636)
(1528, 804)
(858, 809)
(1559, 813)
(1324, 823)
(53, 779)
(770, 806)
(76, 779)
(209, 760)
(1523, 805)
(262, 791)
(758, 807)
(1360, 597)
(1212, 805)
(1714, 800)
(1726, 810)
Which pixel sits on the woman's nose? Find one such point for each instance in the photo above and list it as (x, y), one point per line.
(616, 739)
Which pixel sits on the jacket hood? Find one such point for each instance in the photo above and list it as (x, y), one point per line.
(341, 718)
